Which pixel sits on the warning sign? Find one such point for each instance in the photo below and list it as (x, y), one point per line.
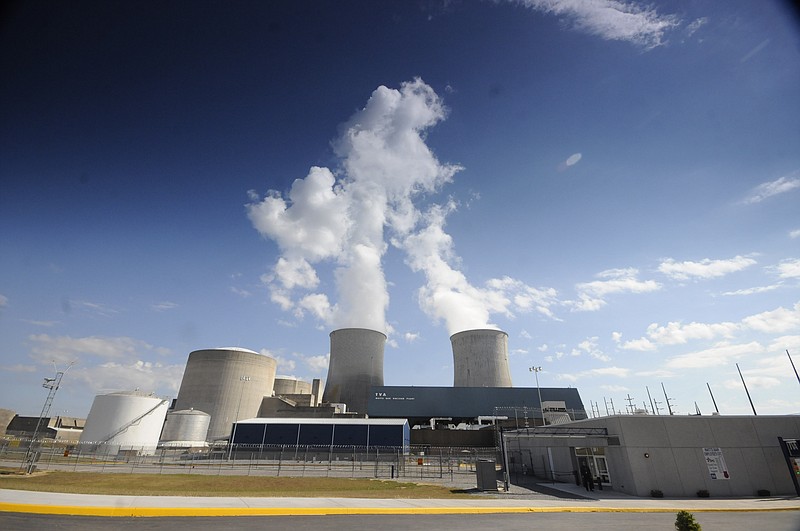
(716, 463)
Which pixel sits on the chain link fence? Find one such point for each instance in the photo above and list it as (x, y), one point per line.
(417, 463)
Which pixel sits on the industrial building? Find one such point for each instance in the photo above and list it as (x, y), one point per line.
(323, 433)
(669, 455)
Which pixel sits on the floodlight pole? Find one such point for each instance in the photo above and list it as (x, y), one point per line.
(536, 371)
(52, 384)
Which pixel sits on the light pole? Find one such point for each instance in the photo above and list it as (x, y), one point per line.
(536, 371)
(243, 379)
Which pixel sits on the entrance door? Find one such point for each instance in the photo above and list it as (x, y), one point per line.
(595, 459)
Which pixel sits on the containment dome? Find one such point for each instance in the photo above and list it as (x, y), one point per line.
(480, 359)
(356, 365)
(124, 421)
(228, 384)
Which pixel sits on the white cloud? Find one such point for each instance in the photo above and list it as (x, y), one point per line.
(573, 159)
(769, 189)
(543, 347)
(619, 372)
(676, 333)
(164, 306)
(46, 324)
(65, 349)
(593, 294)
(131, 374)
(716, 356)
(295, 273)
(410, 337)
(611, 19)
(615, 388)
(3, 301)
(754, 290)
(89, 307)
(590, 347)
(240, 292)
(317, 364)
(705, 268)
(794, 234)
(642, 345)
(525, 334)
(789, 269)
(696, 25)
(18, 368)
(775, 321)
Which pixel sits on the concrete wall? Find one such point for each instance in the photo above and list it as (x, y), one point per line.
(480, 359)
(356, 365)
(675, 463)
(213, 382)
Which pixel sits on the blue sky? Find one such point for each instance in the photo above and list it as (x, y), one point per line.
(614, 184)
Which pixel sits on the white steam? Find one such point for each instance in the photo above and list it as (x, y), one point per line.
(348, 218)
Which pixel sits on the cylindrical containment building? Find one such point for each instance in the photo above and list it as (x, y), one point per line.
(291, 386)
(128, 421)
(480, 358)
(187, 427)
(228, 384)
(356, 365)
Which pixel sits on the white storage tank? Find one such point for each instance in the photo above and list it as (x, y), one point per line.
(129, 421)
(187, 427)
(228, 384)
(480, 358)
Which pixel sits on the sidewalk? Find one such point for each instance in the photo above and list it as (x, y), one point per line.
(518, 500)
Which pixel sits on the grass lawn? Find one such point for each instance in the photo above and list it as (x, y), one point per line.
(202, 485)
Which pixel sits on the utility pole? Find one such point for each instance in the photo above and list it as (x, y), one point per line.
(658, 410)
(712, 398)
(651, 400)
(669, 405)
(793, 367)
(745, 390)
(606, 404)
(630, 404)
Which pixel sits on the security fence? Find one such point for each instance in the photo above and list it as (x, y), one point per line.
(416, 463)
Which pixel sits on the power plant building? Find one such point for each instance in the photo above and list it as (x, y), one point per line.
(228, 384)
(480, 358)
(356, 365)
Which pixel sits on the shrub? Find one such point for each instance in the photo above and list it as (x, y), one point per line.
(764, 493)
(685, 522)
(655, 493)
(703, 493)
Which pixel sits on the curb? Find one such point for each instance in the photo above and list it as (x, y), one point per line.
(325, 511)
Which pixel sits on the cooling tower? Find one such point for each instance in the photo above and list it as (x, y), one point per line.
(226, 383)
(480, 359)
(356, 364)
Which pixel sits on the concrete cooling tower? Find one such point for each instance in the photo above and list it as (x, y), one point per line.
(356, 365)
(480, 359)
(228, 384)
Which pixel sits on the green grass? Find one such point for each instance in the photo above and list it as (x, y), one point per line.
(203, 485)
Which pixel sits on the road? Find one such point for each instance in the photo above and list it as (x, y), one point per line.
(711, 521)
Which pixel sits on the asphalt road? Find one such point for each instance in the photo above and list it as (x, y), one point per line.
(711, 521)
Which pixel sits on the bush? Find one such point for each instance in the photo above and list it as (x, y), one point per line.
(703, 493)
(655, 493)
(764, 493)
(685, 522)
